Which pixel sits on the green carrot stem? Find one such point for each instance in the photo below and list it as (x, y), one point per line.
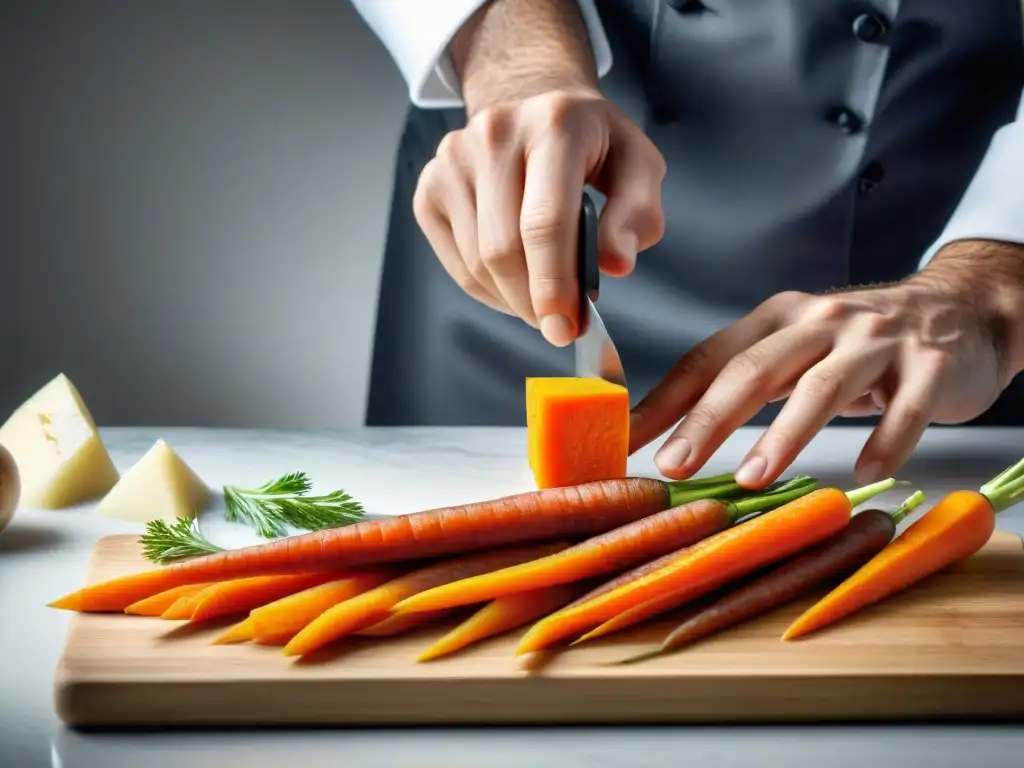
(1006, 495)
(677, 496)
(1005, 477)
(704, 482)
(783, 494)
(860, 495)
(908, 506)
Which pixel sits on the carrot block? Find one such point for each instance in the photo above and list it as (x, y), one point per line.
(577, 430)
(501, 615)
(951, 531)
(161, 601)
(183, 608)
(240, 633)
(711, 563)
(371, 607)
(242, 595)
(624, 547)
(397, 623)
(278, 622)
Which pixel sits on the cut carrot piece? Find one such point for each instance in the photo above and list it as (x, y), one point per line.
(577, 430)
(951, 531)
(182, 608)
(161, 601)
(370, 607)
(278, 622)
(713, 562)
(397, 623)
(625, 547)
(243, 595)
(239, 633)
(501, 615)
(542, 515)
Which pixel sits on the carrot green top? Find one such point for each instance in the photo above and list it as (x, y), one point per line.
(908, 506)
(1007, 488)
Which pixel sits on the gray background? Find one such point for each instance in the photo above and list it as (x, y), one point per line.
(193, 205)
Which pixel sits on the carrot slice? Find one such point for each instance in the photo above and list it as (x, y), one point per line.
(577, 430)
(185, 606)
(501, 615)
(370, 607)
(616, 550)
(278, 622)
(951, 531)
(572, 512)
(242, 595)
(713, 562)
(397, 623)
(161, 601)
(239, 633)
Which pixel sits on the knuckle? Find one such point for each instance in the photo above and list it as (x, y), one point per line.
(466, 282)
(423, 198)
(692, 363)
(551, 292)
(499, 254)
(541, 225)
(753, 365)
(876, 324)
(825, 309)
(784, 302)
(448, 147)
(556, 110)
(477, 269)
(911, 417)
(821, 383)
(703, 418)
(493, 127)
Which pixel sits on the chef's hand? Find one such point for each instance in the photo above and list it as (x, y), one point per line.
(500, 201)
(937, 347)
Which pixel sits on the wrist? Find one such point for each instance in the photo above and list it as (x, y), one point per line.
(988, 276)
(511, 50)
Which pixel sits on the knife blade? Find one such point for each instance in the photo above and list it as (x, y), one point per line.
(595, 353)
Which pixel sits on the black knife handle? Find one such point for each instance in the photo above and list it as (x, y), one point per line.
(590, 275)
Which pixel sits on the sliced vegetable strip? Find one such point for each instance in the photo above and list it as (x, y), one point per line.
(239, 633)
(710, 563)
(624, 547)
(370, 607)
(866, 534)
(278, 622)
(501, 615)
(183, 608)
(397, 623)
(161, 601)
(954, 529)
(242, 595)
(573, 512)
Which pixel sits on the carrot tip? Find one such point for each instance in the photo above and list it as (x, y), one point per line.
(67, 603)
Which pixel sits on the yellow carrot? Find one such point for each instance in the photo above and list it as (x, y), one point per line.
(239, 633)
(161, 601)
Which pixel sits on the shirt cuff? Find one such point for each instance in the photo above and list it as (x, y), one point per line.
(417, 34)
(992, 208)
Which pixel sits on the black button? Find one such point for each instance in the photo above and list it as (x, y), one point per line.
(661, 114)
(686, 6)
(845, 120)
(870, 177)
(869, 28)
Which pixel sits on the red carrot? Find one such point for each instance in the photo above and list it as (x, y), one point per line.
(624, 547)
(572, 512)
(866, 534)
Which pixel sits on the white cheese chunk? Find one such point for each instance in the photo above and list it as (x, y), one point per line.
(160, 486)
(60, 456)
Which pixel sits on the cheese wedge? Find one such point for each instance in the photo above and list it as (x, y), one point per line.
(161, 486)
(60, 456)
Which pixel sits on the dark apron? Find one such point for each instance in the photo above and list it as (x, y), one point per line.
(811, 144)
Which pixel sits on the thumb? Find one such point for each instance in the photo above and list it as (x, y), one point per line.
(632, 219)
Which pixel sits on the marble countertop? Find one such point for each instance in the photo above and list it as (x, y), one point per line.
(43, 554)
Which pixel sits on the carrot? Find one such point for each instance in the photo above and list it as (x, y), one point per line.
(572, 512)
(714, 561)
(866, 534)
(953, 530)
(161, 601)
(397, 623)
(375, 605)
(278, 622)
(185, 606)
(624, 547)
(239, 633)
(242, 595)
(501, 615)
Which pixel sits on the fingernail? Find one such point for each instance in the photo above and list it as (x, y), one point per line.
(870, 472)
(673, 454)
(751, 471)
(557, 329)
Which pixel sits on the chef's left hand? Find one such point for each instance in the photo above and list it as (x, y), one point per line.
(938, 347)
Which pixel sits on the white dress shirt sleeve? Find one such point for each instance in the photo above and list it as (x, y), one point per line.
(417, 34)
(992, 207)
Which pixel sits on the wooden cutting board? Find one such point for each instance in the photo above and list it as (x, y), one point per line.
(952, 647)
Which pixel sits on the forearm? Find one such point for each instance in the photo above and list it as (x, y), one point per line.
(518, 48)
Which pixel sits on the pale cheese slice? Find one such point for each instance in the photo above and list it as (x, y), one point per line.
(60, 456)
(160, 486)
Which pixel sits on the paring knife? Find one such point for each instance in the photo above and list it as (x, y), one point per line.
(596, 356)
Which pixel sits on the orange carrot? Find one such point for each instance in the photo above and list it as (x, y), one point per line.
(370, 607)
(397, 623)
(572, 512)
(242, 595)
(239, 633)
(713, 562)
(618, 549)
(278, 622)
(183, 608)
(161, 601)
(577, 430)
(951, 531)
(501, 615)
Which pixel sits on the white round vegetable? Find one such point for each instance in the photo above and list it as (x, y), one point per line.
(10, 487)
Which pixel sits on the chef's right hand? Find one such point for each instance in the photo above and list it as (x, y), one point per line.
(500, 201)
